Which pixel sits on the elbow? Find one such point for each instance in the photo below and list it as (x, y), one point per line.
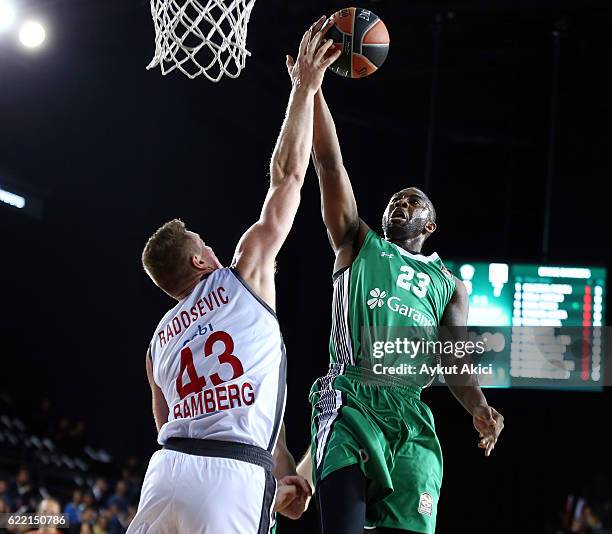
(327, 165)
(286, 174)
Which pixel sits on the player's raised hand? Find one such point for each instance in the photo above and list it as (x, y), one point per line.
(489, 423)
(308, 70)
(292, 496)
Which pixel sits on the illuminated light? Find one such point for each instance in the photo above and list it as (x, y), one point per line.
(480, 300)
(494, 342)
(539, 373)
(498, 273)
(597, 308)
(545, 314)
(517, 295)
(597, 299)
(587, 289)
(517, 287)
(7, 15)
(564, 272)
(596, 323)
(32, 34)
(517, 304)
(564, 289)
(12, 199)
(538, 305)
(467, 271)
(598, 290)
(498, 276)
(584, 376)
(552, 297)
(597, 316)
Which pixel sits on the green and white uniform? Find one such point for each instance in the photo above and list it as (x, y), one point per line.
(361, 413)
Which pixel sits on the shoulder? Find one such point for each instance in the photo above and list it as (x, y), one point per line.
(460, 294)
(456, 310)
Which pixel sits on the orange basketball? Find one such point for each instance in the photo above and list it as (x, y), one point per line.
(364, 41)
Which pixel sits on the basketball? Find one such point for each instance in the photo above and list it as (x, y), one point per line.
(364, 40)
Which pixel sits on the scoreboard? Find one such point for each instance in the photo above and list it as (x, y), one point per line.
(543, 323)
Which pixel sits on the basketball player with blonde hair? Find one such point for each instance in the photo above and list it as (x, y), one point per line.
(216, 363)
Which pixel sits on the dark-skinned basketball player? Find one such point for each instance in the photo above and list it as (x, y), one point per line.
(376, 459)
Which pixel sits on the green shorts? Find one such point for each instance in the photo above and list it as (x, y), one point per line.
(390, 433)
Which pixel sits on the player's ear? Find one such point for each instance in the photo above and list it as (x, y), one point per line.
(430, 227)
(197, 262)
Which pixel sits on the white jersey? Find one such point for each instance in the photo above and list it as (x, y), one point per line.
(219, 358)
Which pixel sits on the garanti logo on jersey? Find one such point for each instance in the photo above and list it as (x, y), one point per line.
(377, 298)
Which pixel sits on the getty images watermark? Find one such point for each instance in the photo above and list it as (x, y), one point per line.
(426, 356)
(499, 356)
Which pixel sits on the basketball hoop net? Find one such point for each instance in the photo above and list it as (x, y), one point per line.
(201, 37)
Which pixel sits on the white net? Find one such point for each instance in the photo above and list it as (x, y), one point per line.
(207, 37)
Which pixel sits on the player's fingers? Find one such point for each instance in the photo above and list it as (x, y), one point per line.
(314, 43)
(328, 24)
(290, 63)
(306, 490)
(284, 497)
(500, 425)
(318, 24)
(331, 58)
(323, 50)
(304, 42)
(301, 485)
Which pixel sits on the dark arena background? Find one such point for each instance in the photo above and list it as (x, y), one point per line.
(500, 110)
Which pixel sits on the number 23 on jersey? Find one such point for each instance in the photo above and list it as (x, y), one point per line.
(406, 281)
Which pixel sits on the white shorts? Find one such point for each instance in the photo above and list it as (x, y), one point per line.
(189, 494)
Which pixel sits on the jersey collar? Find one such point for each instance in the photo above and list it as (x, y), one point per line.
(419, 257)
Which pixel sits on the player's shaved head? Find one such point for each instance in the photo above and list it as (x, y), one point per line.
(167, 256)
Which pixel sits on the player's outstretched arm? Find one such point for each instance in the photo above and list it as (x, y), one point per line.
(338, 204)
(257, 250)
(464, 386)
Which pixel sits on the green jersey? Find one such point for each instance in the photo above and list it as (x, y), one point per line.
(384, 304)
